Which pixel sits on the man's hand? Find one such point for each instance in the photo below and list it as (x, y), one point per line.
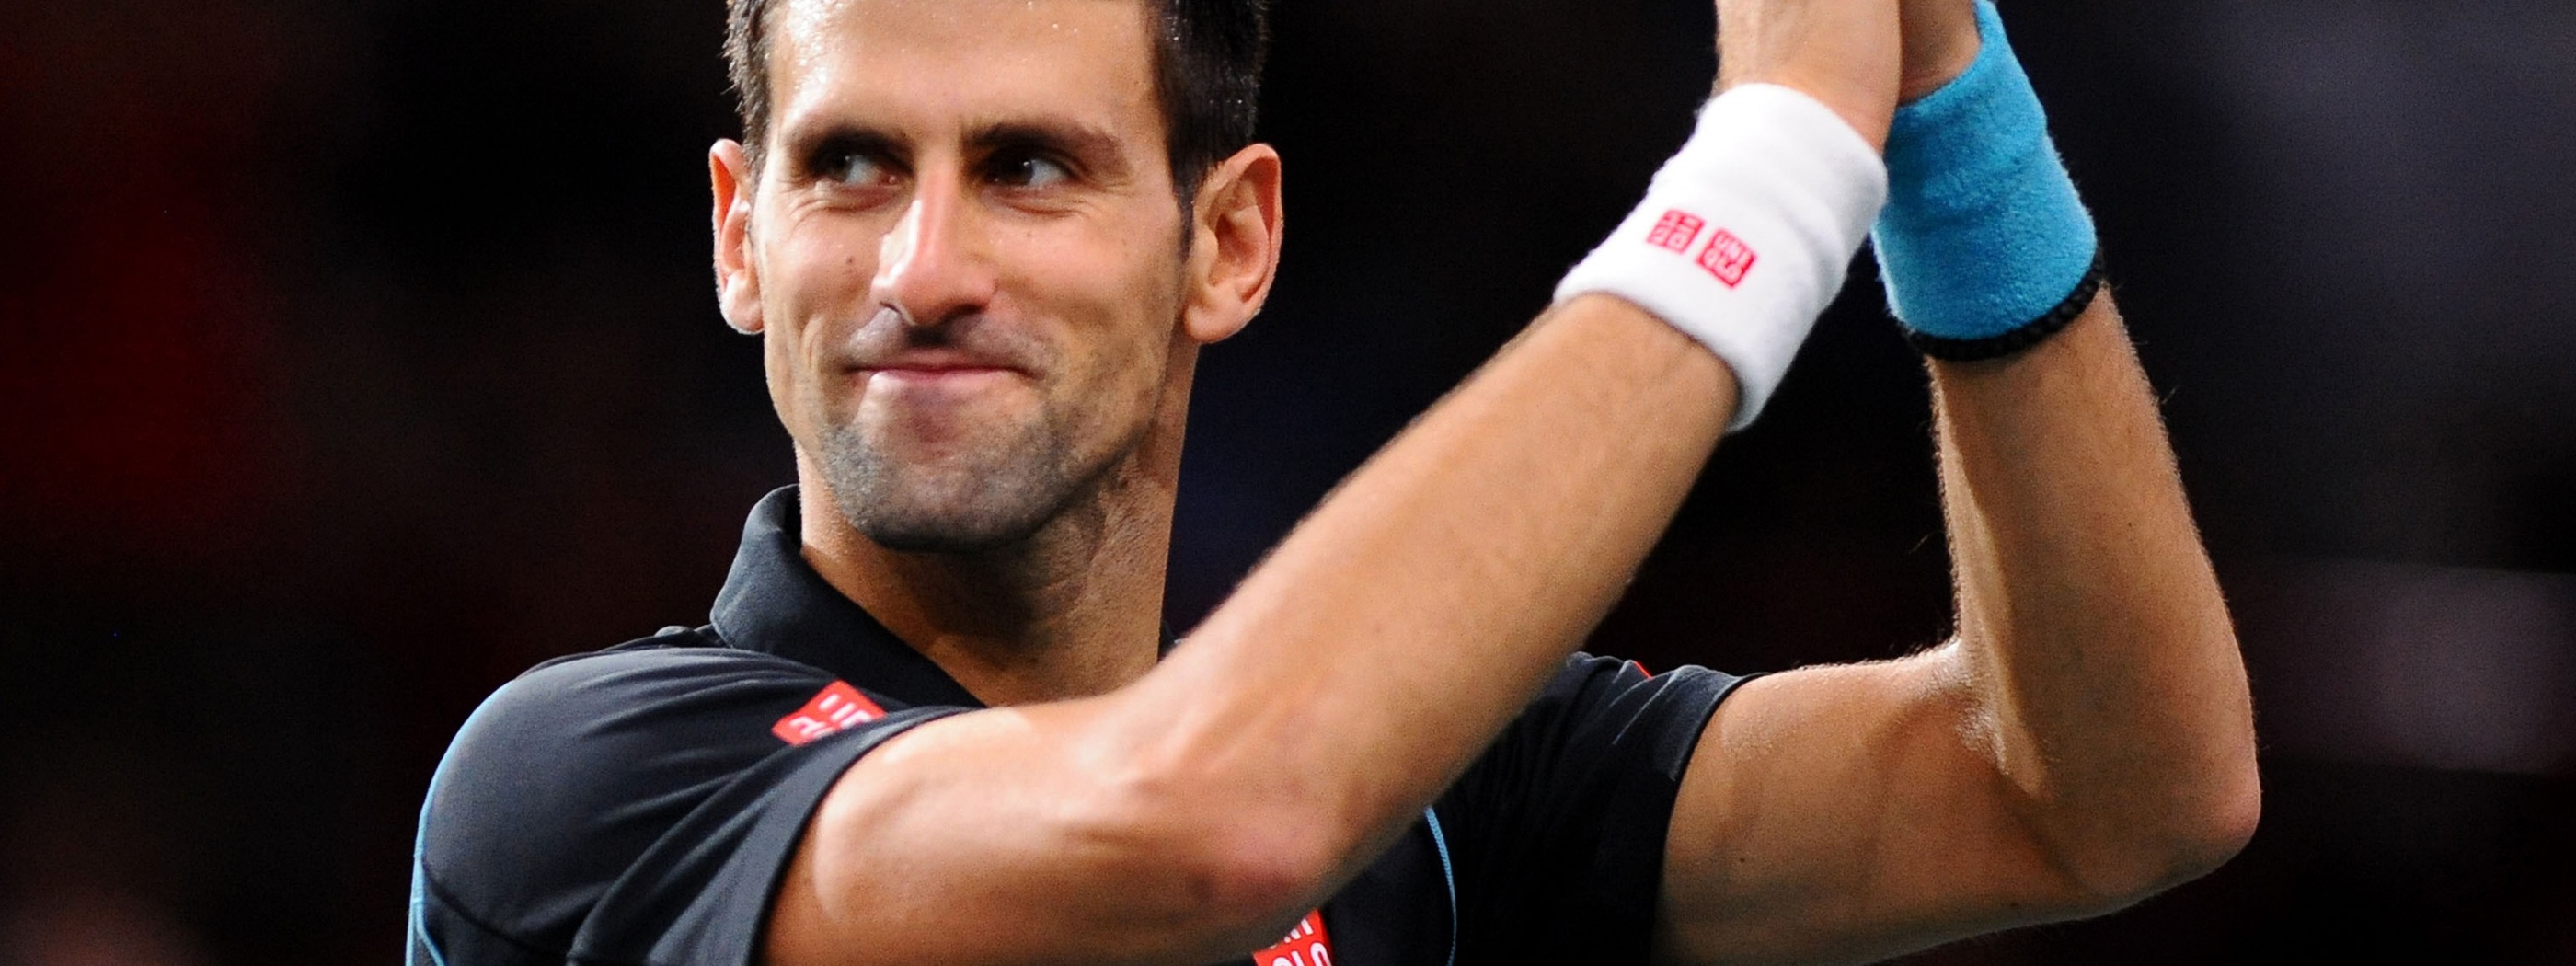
(1842, 52)
(1940, 42)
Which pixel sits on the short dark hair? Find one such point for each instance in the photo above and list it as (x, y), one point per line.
(1207, 74)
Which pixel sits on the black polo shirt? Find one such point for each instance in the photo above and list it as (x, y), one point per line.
(637, 806)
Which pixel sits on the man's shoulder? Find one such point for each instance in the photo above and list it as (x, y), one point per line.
(568, 773)
(681, 685)
(670, 653)
(595, 724)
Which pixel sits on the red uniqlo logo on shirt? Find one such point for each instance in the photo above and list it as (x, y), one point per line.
(1306, 945)
(838, 707)
(1676, 230)
(1727, 257)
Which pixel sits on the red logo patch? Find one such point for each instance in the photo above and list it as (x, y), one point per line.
(1676, 230)
(1727, 257)
(835, 708)
(1306, 945)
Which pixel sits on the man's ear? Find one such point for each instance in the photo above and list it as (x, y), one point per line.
(730, 176)
(1236, 225)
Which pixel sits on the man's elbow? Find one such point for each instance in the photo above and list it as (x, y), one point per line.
(2210, 812)
(1251, 885)
(2219, 829)
(1235, 873)
(2185, 841)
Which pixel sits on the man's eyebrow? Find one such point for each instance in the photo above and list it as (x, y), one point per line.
(802, 143)
(1082, 142)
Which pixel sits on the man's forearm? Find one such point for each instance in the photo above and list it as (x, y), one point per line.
(2090, 623)
(1554, 470)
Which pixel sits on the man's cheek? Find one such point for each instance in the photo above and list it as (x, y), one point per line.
(834, 255)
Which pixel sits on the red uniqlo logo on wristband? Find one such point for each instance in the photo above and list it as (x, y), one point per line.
(836, 708)
(1306, 945)
(1727, 257)
(1676, 230)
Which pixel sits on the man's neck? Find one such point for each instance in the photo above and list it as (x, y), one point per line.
(1074, 611)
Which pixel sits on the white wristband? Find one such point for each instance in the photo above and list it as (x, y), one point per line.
(1747, 233)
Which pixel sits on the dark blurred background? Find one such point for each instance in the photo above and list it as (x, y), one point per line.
(355, 355)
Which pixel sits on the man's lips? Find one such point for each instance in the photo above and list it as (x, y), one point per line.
(935, 362)
(935, 372)
(938, 382)
(928, 372)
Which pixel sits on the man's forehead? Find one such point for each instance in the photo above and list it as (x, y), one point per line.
(812, 13)
(964, 56)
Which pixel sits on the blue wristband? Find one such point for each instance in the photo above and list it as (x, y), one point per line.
(1984, 245)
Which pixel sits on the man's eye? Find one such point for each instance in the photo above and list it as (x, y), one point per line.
(1029, 171)
(855, 168)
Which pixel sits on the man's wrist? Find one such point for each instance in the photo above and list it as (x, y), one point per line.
(1747, 233)
(1985, 246)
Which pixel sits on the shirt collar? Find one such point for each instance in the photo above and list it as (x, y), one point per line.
(775, 603)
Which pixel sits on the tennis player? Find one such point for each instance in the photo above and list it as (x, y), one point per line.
(934, 717)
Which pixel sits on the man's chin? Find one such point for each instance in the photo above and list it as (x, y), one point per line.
(973, 518)
(941, 499)
(942, 537)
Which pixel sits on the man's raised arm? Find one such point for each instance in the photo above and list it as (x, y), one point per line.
(2086, 739)
(1194, 815)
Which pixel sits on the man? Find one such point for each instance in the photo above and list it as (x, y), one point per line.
(935, 718)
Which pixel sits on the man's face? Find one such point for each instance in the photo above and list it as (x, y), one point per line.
(964, 252)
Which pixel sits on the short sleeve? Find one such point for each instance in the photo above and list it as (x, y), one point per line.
(632, 807)
(1558, 830)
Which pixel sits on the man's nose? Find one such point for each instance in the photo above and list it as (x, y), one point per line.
(934, 267)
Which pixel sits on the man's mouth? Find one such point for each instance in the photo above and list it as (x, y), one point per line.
(932, 375)
(959, 363)
(938, 378)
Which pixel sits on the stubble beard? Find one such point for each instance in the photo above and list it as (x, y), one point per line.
(994, 495)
